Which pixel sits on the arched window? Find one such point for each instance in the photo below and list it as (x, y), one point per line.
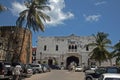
(45, 47)
(87, 48)
(56, 47)
(70, 47)
(75, 46)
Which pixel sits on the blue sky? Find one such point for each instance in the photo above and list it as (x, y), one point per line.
(79, 17)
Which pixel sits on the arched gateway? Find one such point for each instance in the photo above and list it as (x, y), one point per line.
(72, 59)
(76, 58)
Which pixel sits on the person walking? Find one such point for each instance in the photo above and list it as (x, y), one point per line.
(16, 72)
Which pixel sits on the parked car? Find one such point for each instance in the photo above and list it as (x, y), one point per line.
(55, 67)
(8, 68)
(37, 68)
(3, 72)
(27, 70)
(46, 68)
(93, 67)
(78, 69)
(109, 76)
(95, 74)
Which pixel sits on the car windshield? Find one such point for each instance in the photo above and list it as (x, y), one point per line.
(112, 70)
(100, 70)
(7, 63)
(34, 65)
(1, 65)
(112, 78)
(93, 66)
(28, 66)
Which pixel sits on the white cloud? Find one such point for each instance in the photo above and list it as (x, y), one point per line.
(17, 8)
(57, 14)
(100, 3)
(92, 18)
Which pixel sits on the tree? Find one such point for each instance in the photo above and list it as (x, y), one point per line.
(117, 49)
(117, 52)
(33, 16)
(110, 56)
(100, 53)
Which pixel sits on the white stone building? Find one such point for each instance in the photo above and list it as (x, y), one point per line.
(63, 50)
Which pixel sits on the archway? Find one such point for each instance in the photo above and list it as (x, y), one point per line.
(50, 62)
(72, 59)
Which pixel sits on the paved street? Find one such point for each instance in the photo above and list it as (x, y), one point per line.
(58, 75)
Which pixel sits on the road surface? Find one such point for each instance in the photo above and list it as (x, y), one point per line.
(58, 75)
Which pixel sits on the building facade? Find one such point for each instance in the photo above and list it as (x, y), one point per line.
(11, 39)
(34, 54)
(63, 50)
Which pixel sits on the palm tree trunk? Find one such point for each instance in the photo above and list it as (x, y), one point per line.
(110, 62)
(99, 63)
(22, 43)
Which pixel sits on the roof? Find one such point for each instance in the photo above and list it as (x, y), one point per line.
(113, 75)
(34, 49)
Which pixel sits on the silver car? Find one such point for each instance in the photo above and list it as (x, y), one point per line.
(37, 68)
(110, 76)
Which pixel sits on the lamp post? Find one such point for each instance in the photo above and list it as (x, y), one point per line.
(40, 56)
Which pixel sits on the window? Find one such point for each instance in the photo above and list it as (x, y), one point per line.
(87, 48)
(112, 70)
(45, 48)
(75, 46)
(72, 48)
(56, 47)
(1, 45)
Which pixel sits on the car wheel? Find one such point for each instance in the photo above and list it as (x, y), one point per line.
(36, 71)
(88, 78)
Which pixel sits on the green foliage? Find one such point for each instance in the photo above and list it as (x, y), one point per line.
(117, 49)
(33, 15)
(100, 53)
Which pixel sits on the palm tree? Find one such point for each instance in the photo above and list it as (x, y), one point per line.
(110, 57)
(100, 53)
(33, 16)
(117, 49)
(117, 52)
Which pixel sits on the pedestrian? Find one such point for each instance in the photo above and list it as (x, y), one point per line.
(69, 68)
(73, 68)
(16, 72)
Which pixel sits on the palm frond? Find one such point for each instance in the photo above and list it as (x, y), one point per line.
(39, 22)
(24, 12)
(43, 7)
(44, 16)
(20, 21)
(40, 2)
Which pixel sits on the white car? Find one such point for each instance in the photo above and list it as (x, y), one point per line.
(93, 67)
(78, 68)
(37, 68)
(110, 76)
